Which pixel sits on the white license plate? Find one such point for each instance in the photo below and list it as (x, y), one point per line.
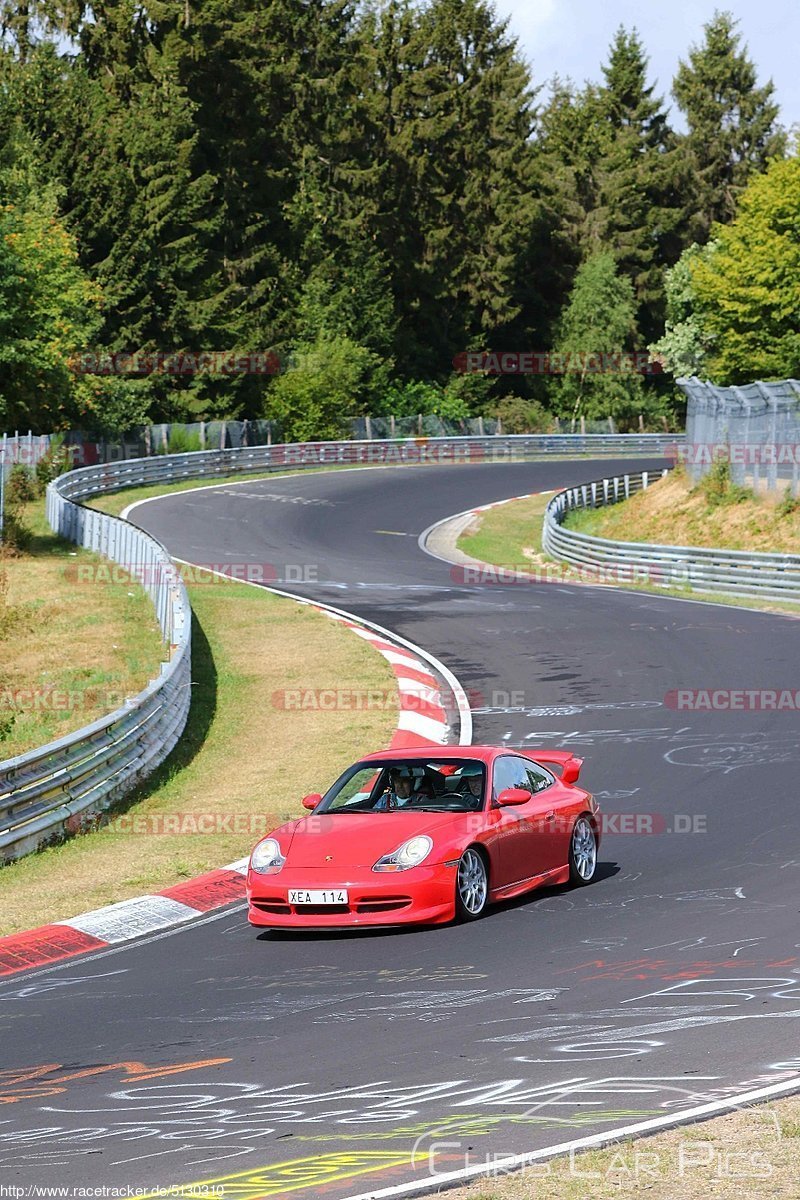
(329, 896)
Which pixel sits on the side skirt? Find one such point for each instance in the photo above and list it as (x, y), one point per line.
(548, 879)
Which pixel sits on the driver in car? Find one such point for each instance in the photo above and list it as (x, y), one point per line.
(401, 791)
(402, 785)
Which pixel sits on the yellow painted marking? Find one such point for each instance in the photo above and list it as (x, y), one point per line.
(482, 1123)
(294, 1175)
(391, 532)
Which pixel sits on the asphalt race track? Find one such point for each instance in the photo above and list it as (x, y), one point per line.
(331, 1065)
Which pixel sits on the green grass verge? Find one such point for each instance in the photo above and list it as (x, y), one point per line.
(508, 534)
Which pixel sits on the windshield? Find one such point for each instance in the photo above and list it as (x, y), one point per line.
(440, 785)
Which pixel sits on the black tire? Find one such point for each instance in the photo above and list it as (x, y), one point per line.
(472, 885)
(582, 852)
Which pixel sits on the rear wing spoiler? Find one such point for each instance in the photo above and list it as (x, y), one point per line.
(561, 759)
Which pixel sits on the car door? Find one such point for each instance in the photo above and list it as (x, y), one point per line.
(548, 815)
(523, 850)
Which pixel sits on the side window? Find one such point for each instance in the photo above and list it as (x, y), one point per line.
(539, 779)
(509, 772)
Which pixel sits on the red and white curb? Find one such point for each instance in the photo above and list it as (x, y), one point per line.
(422, 721)
(121, 922)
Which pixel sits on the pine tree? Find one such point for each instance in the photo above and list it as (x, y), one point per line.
(642, 184)
(457, 116)
(333, 215)
(567, 150)
(614, 178)
(733, 130)
(25, 23)
(142, 208)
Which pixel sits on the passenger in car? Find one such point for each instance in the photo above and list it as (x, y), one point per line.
(472, 776)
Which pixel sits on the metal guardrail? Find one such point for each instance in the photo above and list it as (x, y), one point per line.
(700, 569)
(59, 788)
(199, 464)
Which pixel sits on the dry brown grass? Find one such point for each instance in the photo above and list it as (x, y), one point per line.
(752, 1154)
(71, 652)
(675, 513)
(241, 755)
(509, 536)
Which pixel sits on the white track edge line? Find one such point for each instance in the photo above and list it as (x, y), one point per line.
(464, 711)
(595, 1140)
(259, 478)
(606, 587)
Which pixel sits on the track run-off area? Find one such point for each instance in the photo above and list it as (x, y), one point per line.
(343, 1064)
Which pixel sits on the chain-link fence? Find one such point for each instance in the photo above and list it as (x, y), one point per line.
(429, 425)
(755, 428)
(85, 449)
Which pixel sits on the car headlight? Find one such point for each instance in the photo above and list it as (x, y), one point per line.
(266, 858)
(410, 854)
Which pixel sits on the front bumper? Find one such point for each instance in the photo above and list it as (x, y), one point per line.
(421, 895)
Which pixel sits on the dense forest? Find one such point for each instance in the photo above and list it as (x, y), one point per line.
(364, 193)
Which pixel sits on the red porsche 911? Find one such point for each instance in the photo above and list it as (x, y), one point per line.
(425, 836)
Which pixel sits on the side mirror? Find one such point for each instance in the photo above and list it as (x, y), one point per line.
(571, 771)
(510, 796)
(312, 800)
